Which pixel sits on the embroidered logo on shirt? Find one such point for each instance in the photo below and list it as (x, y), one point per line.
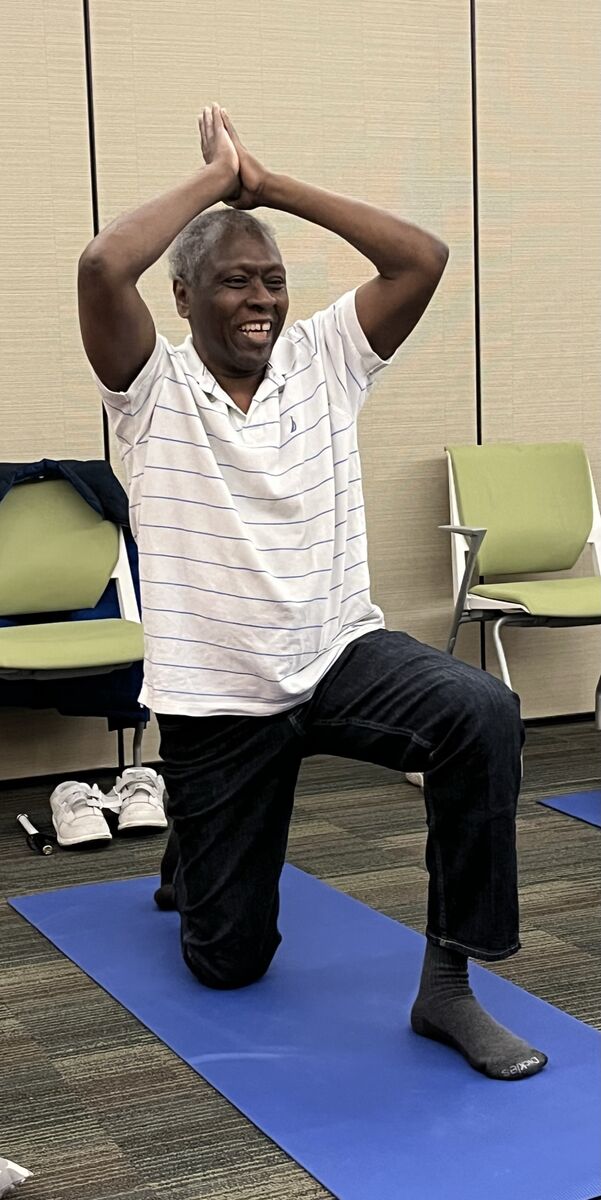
(292, 424)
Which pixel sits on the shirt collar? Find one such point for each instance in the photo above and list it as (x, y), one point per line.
(271, 383)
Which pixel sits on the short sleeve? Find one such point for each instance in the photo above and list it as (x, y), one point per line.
(357, 347)
(129, 412)
(349, 360)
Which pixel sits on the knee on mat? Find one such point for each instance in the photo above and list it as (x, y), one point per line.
(224, 971)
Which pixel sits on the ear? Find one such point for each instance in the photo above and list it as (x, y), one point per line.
(182, 298)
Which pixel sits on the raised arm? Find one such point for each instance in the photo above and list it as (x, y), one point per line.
(116, 326)
(409, 261)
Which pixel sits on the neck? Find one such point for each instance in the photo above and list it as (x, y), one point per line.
(241, 388)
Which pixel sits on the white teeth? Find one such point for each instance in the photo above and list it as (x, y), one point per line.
(256, 328)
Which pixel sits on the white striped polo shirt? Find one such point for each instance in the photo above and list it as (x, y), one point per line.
(250, 527)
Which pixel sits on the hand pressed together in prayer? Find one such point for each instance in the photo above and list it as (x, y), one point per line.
(220, 142)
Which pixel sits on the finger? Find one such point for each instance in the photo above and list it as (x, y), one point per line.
(216, 119)
(208, 123)
(203, 140)
(230, 128)
(207, 141)
(227, 122)
(216, 115)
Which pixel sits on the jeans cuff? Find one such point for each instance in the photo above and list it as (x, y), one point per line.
(473, 951)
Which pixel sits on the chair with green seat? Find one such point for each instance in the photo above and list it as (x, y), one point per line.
(523, 510)
(58, 555)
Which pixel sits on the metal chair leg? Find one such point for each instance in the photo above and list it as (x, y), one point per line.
(452, 638)
(475, 537)
(137, 743)
(120, 751)
(496, 633)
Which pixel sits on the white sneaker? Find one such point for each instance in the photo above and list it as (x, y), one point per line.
(77, 814)
(416, 778)
(137, 797)
(11, 1174)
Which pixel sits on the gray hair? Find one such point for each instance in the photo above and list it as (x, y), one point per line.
(192, 247)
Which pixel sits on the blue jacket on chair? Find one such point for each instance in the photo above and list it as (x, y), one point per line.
(113, 695)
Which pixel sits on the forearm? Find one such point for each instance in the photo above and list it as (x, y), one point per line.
(390, 243)
(135, 240)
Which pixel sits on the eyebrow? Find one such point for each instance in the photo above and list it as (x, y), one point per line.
(249, 268)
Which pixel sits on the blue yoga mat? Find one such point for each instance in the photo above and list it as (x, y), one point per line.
(318, 1054)
(585, 806)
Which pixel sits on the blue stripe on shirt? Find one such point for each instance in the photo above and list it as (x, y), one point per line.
(223, 537)
(247, 624)
(271, 474)
(167, 637)
(208, 562)
(248, 470)
(176, 583)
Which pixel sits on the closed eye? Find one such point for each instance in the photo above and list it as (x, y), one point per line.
(239, 281)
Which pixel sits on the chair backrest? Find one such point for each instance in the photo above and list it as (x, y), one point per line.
(56, 553)
(536, 502)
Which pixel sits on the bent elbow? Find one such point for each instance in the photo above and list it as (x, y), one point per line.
(92, 262)
(438, 262)
(442, 253)
(432, 260)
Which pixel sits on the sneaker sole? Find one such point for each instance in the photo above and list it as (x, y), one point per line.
(160, 823)
(80, 841)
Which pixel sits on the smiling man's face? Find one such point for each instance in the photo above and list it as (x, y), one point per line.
(238, 310)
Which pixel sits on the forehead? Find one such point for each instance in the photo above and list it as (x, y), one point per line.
(245, 250)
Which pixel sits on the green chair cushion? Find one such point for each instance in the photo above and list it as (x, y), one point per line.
(71, 645)
(548, 597)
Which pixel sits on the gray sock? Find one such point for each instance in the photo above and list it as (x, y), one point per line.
(447, 1011)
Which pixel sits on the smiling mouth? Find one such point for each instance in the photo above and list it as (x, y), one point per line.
(257, 333)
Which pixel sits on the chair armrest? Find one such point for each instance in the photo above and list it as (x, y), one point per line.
(474, 536)
(468, 531)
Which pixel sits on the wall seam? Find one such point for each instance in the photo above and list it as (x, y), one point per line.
(476, 243)
(93, 168)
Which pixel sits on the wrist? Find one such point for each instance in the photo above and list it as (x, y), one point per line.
(272, 193)
(223, 178)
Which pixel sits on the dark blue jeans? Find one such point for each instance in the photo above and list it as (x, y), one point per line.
(388, 700)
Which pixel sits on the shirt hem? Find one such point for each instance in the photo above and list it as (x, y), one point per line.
(258, 707)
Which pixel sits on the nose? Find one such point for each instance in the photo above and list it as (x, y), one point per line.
(261, 296)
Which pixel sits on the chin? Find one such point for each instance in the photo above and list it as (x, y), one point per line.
(250, 363)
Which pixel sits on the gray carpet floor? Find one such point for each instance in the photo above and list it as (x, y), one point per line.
(99, 1109)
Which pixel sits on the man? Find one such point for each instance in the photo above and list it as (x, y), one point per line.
(262, 643)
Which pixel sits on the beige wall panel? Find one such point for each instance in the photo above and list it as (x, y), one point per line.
(42, 742)
(372, 99)
(539, 146)
(49, 406)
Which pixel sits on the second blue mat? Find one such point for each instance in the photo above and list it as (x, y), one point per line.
(585, 806)
(319, 1054)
